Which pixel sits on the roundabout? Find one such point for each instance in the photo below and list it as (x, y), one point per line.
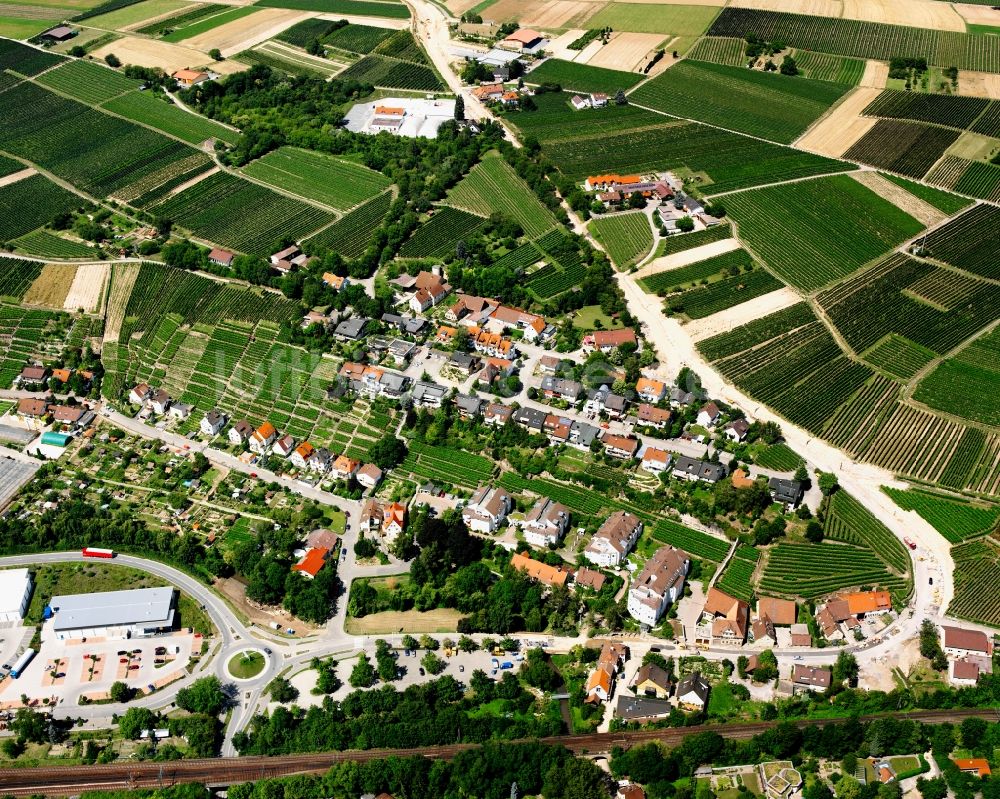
(247, 664)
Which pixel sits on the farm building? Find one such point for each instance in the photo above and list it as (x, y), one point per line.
(524, 39)
(190, 77)
(113, 614)
(55, 439)
(15, 594)
(60, 33)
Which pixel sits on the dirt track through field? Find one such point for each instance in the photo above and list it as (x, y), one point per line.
(122, 282)
(168, 57)
(541, 13)
(922, 211)
(741, 314)
(692, 256)
(15, 177)
(841, 127)
(87, 289)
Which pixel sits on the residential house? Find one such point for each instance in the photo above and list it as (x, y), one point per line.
(372, 516)
(620, 446)
(287, 259)
(314, 318)
(302, 454)
(737, 429)
(369, 475)
(62, 375)
(179, 410)
(511, 99)
(310, 563)
(467, 305)
(469, 405)
(351, 329)
(655, 460)
(560, 388)
(321, 460)
(336, 282)
(863, 602)
(651, 416)
(679, 397)
(33, 377)
(464, 363)
(549, 364)
(549, 575)
(139, 394)
(284, 446)
(811, 678)
(598, 100)
(212, 422)
(344, 468)
(762, 632)
(640, 709)
(686, 468)
(658, 585)
(589, 578)
(488, 93)
(557, 428)
(497, 414)
(532, 325)
(240, 432)
(579, 103)
(961, 642)
(601, 681)
(652, 681)
(608, 341)
(708, 415)
(428, 395)
(692, 692)
(601, 400)
(614, 539)
(788, 492)
(610, 181)
(649, 390)
(32, 408)
(979, 766)
(781, 612)
(424, 298)
(263, 437)
(393, 521)
(801, 635)
(545, 523)
(220, 257)
(582, 434)
(963, 672)
(488, 507)
(187, 78)
(529, 418)
(726, 616)
(77, 416)
(160, 402)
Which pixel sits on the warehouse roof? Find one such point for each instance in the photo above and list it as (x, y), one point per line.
(114, 608)
(12, 589)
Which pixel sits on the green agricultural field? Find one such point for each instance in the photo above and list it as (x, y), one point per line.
(493, 186)
(968, 242)
(383, 71)
(811, 571)
(860, 39)
(679, 242)
(97, 152)
(205, 24)
(554, 119)
(821, 66)
(627, 237)
(179, 20)
(25, 60)
(134, 13)
(15, 279)
(850, 521)
(718, 50)
(336, 182)
(17, 28)
(977, 582)
(351, 234)
(365, 8)
(737, 579)
(770, 105)
(31, 203)
(87, 82)
(157, 113)
(899, 357)
(641, 18)
(582, 78)
(694, 542)
(791, 228)
(361, 39)
(439, 236)
(8, 166)
(730, 262)
(702, 301)
(909, 148)
(940, 109)
(955, 520)
(44, 244)
(942, 200)
(242, 215)
(968, 383)
(778, 456)
(291, 63)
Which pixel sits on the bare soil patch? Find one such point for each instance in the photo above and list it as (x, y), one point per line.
(977, 15)
(919, 209)
(236, 593)
(51, 286)
(559, 47)
(695, 254)
(168, 57)
(241, 34)
(6, 180)
(87, 289)
(626, 50)
(741, 314)
(979, 84)
(541, 13)
(122, 281)
(459, 7)
(915, 13)
(441, 620)
(875, 75)
(841, 126)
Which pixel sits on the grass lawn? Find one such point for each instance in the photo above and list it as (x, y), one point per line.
(587, 318)
(208, 23)
(441, 620)
(57, 579)
(246, 665)
(642, 18)
(16, 28)
(131, 15)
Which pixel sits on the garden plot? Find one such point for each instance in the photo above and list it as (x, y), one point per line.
(87, 288)
(241, 34)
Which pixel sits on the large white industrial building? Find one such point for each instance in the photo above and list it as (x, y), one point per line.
(114, 614)
(15, 594)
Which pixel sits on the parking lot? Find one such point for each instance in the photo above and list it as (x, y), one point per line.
(65, 671)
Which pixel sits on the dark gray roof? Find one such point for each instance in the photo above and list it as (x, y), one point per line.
(635, 708)
(561, 386)
(352, 328)
(784, 490)
(693, 682)
(584, 433)
(530, 417)
(703, 470)
(468, 403)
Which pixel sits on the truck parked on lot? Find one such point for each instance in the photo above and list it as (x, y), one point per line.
(18, 668)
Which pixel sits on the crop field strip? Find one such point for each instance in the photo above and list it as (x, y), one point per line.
(702, 301)
(909, 148)
(147, 109)
(30, 203)
(768, 105)
(156, 185)
(729, 52)
(493, 186)
(439, 235)
(352, 233)
(180, 19)
(968, 383)
(16, 276)
(575, 77)
(385, 71)
(737, 579)
(243, 215)
(850, 521)
(898, 357)
(956, 520)
(951, 111)
(362, 39)
(679, 242)
(979, 179)
(195, 27)
(99, 153)
(859, 39)
(270, 56)
(26, 60)
(694, 542)
(823, 66)
(944, 201)
(790, 228)
(335, 182)
(446, 465)
(87, 82)
(365, 8)
(927, 304)
(565, 269)
(26, 334)
(977, 582)
(969, 242)
(43, 244)
(627, 237)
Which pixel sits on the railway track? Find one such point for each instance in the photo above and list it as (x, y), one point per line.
(71, 780)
